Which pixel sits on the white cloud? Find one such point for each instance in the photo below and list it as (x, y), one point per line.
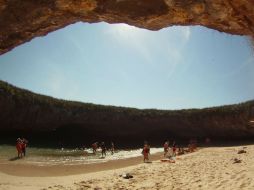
(134, 38)
(169, 43)
(124, 32)
(55, 83)
(186, 33)
(179, 37)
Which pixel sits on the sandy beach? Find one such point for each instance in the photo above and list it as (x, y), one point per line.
(208, 168)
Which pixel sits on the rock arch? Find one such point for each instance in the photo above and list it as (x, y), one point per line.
(20, 21)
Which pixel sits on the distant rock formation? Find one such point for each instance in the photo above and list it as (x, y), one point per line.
(22, 20)
(24, 112)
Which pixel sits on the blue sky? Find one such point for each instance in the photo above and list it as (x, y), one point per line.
(174, 68)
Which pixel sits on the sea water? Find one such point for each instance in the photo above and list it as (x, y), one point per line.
(51, 156)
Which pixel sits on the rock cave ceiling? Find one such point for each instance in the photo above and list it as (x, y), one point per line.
(23, 20)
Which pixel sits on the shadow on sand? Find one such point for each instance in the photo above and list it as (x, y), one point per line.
(14, 158)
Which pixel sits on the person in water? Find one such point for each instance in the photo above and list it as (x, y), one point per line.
(165, 148)
(94, 147)
(146, 152)
(103, 149)
(207, 141)
(112, 149)
(174, 148)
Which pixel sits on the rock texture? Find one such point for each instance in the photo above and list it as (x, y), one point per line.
(22, 20)
(33, 115)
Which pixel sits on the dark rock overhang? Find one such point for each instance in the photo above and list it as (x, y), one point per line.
(21, 21)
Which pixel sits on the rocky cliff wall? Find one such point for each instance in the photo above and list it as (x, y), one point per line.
(23, 112)
(22, 20)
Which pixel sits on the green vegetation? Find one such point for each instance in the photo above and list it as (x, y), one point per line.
(25, 97)
(39, 117)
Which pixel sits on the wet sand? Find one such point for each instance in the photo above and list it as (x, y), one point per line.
(31, 170)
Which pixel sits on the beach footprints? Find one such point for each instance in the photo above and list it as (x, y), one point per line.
(57, 187)
(89, 184)
(210, 169)
(84, 185)
(241, 151)
(236, 161)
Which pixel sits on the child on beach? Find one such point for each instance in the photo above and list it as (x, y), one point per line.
(146, 152)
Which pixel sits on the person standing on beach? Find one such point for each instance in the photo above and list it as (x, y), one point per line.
(146, 152)
(19, 147)
(94, 147)
(165, 148)
(174, 148)
(103, 150)
(24, 145)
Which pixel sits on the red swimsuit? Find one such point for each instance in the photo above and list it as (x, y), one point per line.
(19, 147)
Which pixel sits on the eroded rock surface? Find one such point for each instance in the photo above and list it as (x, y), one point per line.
(22, 20)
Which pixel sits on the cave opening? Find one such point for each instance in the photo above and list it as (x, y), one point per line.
(174, 68)
(120, 65)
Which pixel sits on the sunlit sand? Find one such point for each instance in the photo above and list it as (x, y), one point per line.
(208, 168)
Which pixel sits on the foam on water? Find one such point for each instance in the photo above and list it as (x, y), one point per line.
(42, 156)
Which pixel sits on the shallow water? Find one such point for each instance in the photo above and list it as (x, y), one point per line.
(47, 156)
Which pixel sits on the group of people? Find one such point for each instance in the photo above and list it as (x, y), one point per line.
(170, 151)
(192, 146)
(21, 144)
(167, 148)
(103, 147)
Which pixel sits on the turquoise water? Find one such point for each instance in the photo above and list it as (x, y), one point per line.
(47, 156)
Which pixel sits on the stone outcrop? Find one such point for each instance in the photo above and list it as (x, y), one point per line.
(33, 115)
(22, 20)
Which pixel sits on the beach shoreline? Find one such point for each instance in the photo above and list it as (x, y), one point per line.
(208, 168)
(33, 170)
